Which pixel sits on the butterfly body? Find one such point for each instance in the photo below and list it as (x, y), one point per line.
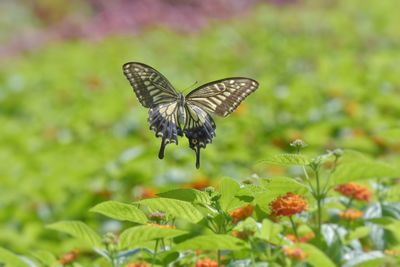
(171, 114)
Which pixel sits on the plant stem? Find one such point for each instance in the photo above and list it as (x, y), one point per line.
(219, 257)
(154, 253)
(319, 206)
(294, 228)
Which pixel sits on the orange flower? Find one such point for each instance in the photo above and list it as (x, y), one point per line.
(351, 214)
(200, 184)
(354, 191)
(165, 226)
(141, 264)
(295, 253)
(303, 239)
(69, 257)
(242, 213)
(206, 263)
(392, 252)
(288, 205)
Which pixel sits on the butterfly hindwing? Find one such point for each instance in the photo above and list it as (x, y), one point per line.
(222, 97)
(199, 128)
(163, 120)
(150, 86)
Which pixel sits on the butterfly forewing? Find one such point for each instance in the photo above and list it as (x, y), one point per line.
(222, 97)
(150, 86)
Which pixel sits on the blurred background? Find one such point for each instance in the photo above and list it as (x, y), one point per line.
(72, 133)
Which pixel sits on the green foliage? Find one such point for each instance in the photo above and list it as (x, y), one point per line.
(135, 236)
(73, 138)
(177, 208)
(212, 242)
(78, 230)
(120, 211)
(8, 258)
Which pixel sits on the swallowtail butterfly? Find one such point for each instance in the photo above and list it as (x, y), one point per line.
(172, 114)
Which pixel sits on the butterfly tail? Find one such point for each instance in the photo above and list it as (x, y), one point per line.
(198, 158)
(162, 148)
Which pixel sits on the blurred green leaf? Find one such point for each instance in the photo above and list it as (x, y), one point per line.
(270, 232)
(140, 234)
(120, 211)
(190, 195)
(315, 256)
(78, 230)
(358, 233)
(8, 258)
(287, 159)
(212, 242)
(363, 170)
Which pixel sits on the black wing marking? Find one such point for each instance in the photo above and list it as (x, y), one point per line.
(199, 129)
(150, 86)
(163, 120)
(222, 97)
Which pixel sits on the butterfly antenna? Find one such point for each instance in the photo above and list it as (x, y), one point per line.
(189, 87)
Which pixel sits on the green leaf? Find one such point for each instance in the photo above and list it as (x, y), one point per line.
(177, 208)
(120, 211)
(363, 170)
(270, 232)
(139, 234)
(78, 230)
(315, 256)
(287, 159)
(8, 258)
(190, 195)
(44, 257)
(358, 233)
(212, 242)
(228, 189)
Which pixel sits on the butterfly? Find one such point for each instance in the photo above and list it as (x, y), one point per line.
(171, 114)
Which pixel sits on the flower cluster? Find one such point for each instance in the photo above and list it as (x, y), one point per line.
(141, 264)
(295, 253)
(241, 213)
(351, 214)
(354, 191)
(206, 263)
(164, 226)
(302, 239)
(69, 258)
(288, 205)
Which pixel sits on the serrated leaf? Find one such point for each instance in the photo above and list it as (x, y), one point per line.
(190, 195)
(139, 234)
(212, 242)
(8, 258)
(315, 256)
(78, 230)
(228, 189)
(120, 211)
(287, 159)
(45, 258)
(177, 208)
(363, 170)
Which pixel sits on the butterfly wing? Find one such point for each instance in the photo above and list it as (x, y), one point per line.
(154, 91)
(222, 97)
(199, 128)
(163, 120)
(150, 86)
